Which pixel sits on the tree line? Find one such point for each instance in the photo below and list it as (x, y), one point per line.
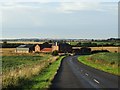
(90, 44)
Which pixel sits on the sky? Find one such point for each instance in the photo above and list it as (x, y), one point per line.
(65, 19)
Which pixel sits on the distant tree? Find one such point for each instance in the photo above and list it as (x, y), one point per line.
(93, 44)
(45, 43)
(92, 40)
(4, 42)
(36, 40)
(61, 41)
(55, 53)
(87, 44)
(85, 50)
(50, 41)
(78, 44)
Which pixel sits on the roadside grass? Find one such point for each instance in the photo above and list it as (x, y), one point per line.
(43, 80)
(22, 68)
(108, 62)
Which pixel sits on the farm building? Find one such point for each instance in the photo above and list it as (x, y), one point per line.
(55, 47)
(45, 47)
(46, 50)
(25, 49)
(37, 47)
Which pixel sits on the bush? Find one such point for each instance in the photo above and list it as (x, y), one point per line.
(55, 53)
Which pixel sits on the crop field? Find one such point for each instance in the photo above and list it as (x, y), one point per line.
(7, 51)
(12, 62)
(18, 68)
(110, 49)
(108, 62)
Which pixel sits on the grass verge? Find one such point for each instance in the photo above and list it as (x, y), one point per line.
(107, 62)
(43, 80)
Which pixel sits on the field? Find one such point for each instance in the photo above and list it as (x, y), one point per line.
(12, 62)
(19, 68)
(110, 49)
(108, 62)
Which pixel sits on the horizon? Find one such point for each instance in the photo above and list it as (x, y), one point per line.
(59, 38)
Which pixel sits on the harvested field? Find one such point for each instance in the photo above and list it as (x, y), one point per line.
(7, 51)
(111, 49)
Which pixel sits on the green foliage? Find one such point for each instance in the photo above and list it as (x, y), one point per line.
(107, 62)
(4, 42)
(85, 50)
(94, 43)
(55, 53)
(9, 45)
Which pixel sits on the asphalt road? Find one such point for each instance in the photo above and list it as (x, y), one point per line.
(73, 74)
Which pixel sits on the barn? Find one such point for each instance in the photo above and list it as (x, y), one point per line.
(25, 48)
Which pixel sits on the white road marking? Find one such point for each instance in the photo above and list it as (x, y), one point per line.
(86, 74)
(96, 81)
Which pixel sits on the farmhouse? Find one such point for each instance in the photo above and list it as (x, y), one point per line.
(45, 47)
(55, 47)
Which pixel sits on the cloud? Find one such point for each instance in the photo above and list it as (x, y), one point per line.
(85, 6)
(66, 7)
(71, 7)
(20, 18)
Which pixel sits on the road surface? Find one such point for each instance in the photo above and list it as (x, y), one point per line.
(73, 74)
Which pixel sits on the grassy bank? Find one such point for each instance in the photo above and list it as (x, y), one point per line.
(108, 62)
(17, 69)
(43, 80)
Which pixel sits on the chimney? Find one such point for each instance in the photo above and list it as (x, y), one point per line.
(56, 44)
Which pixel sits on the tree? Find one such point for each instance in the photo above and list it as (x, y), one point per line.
(4, 42)
(78, 44)
(85, 50)
(55, 53)
(50, 41)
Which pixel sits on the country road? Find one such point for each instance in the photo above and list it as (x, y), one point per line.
(73, 74)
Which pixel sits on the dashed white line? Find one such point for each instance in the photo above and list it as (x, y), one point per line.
(96, 81)
(86, 74)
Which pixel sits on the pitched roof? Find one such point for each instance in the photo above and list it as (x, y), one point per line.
(25, 46)
(46, 50)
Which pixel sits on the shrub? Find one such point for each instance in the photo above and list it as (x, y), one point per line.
(55, 53)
